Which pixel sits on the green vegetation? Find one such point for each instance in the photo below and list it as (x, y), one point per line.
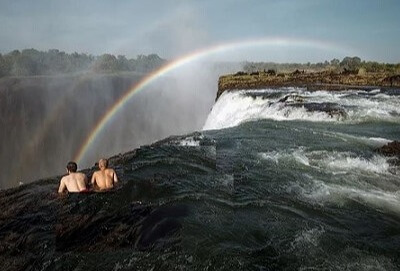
(352, 64)
(30, 62)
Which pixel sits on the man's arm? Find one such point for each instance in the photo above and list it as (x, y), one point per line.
(115, 178)
(93, 181)
(62, 186)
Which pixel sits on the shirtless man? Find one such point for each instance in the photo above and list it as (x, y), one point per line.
(105, 177)
(74, 181)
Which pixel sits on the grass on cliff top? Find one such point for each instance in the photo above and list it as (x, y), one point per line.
(260, 79)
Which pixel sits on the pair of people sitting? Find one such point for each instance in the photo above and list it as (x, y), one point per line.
(103, 179)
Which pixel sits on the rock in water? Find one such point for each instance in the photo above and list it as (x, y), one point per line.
(390, 149)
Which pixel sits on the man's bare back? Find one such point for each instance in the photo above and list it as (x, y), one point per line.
(74, 181)
(105, 177)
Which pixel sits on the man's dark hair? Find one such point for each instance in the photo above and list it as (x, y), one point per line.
(72, 166)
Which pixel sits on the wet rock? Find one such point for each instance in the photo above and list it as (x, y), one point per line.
(292, 98)
(332, 109)
(390, 149)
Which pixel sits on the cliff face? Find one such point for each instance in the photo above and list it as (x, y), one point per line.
(311, 80)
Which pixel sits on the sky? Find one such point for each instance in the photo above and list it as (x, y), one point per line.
(369, 29)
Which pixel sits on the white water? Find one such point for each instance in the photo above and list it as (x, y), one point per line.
(368, 181)
(297, 155)
(336, 162)
(188, 141)
(235, 107)
(323, 193)
(344, 163)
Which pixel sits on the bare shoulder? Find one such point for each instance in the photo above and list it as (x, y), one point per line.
(111, 172)
(65, 178)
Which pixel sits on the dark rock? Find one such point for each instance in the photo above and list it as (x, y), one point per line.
(331, 109)
(349, 72)
(296, 72)
(292, 98)
(240, 73)
(392, 80)
(390, 149)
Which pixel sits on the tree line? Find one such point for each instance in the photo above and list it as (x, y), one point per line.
(31, 62)
(351, 64)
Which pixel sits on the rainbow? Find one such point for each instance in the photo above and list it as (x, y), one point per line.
(195, 56)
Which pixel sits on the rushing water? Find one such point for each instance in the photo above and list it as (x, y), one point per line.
(278, 180)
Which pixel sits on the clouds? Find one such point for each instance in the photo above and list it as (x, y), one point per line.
(174, 28)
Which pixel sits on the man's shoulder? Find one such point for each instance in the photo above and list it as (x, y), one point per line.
(64, 178)
(97, 172)
(81, 174)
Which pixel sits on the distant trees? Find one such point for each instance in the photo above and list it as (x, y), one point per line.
(147, 63)
(4, 69)
(350, 64)
(335, 62)
(106, 63)
(33, 62)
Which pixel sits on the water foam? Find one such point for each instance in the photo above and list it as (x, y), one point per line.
(189, 142)
(322, 192)
(336, 162)
(235, 107)
(307, 238)
(297, 155)
(343, 162)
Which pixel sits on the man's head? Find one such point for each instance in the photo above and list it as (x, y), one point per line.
(72, 166)
(103, 163)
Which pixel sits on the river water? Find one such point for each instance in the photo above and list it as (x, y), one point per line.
(277, 180)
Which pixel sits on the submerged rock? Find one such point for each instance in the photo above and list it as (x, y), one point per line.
(390, 149)
(332, 109)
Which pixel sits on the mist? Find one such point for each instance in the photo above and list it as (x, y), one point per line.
(45, 119)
